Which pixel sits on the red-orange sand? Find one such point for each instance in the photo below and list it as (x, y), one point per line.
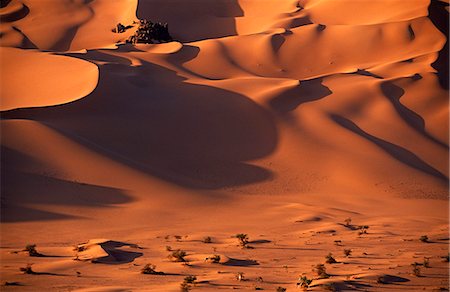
(276, 119)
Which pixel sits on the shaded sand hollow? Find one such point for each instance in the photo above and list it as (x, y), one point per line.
(275, 119)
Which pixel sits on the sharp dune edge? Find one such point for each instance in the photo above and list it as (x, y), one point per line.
(276, 119)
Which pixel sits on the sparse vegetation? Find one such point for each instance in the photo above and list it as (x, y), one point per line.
(32, 252)
(347, 252)
(178, 237)
(169, 248)
(424, 238)
(185, 287)
(330, 259)
(243, 239)
(426, 262)
(149, 269)
(149, 33)
(28, 270)
(362, 229)
(281, 289)
(207, 240)
(178, 255)
(348, 222)
(190, 279)
(416, 269)
(446, 258)
(321, 271)
(214, 259)
(338, 242)
(304, 282)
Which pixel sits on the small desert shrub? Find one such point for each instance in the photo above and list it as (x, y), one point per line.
(190, 279)
(416, 269)
(304, 282)
(28, 270)
(363, 229)
(149, 33)
(240, 276)
(243, 239)
(207, 240)
(321, 271)
(446, 258)
(31, 249)
(185, 287)
(424, 238)
(214, 259)
(426, 262)
(347, 252)
(169, 248)
(149, 269)
(330, 259)
(120, 28)
(281, 289)
(338, 242)
(347, 222)
(178, 237)
(79, 248)
(178, 255)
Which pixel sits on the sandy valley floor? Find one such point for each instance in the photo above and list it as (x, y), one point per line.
(275, 119)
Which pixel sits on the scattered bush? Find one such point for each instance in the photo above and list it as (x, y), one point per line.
(28, 270)
(304, 282)
(321, 271)
(426, 262)
(149, 269)
(185, 287)
(363, 229)
(348, 222)
(214, 259)
(416, 269)
(338, 242)
(207, 240)
(330, 259)
(149, 33)
(347, 252)
(177, 237)
(178, 255)
(243, 239)
(190, 279)
(281, 289)
(169, 248)
(120, 28)
(31, 249)
(446, 258)
(424, 238)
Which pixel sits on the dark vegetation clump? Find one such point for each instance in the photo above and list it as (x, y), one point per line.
(150, 32)
(330, 259)
(149, 269)
(178, 255)
(31, 249)
(28, 270)
(304, 282)
(321, 271)
(424, 238)
(281, 289)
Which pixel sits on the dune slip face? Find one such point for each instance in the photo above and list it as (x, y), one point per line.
(178, 145)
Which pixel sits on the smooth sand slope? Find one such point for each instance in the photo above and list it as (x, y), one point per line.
(279, 120)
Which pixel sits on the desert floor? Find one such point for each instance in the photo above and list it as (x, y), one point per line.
(311, 126)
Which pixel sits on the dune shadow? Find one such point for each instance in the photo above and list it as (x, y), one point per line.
(307, 91)
(20, 190)
(115, 254)
(394, 93)
(148, 118)
(399, 153)
(187, 22)
(390, 279)
(438, 14)
(240, 263)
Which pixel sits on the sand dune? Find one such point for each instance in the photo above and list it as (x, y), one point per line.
(279, 120)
